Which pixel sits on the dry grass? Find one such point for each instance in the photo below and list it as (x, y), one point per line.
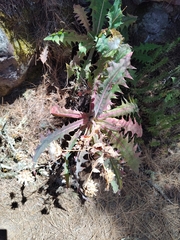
(141, 212)
(28, 222)
(25, 122)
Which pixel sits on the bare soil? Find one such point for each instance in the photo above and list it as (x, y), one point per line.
(148, 207)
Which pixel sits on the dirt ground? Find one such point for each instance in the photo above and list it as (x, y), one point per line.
(141, 212)
(146, 209)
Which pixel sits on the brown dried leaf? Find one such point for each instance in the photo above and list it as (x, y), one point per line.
(44, 54)
(81, 16)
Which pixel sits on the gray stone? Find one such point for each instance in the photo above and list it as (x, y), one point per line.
(10, 74)
(174, 2)
(6, 48)
(155, 25)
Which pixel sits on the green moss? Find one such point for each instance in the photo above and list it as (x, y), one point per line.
(23, 49)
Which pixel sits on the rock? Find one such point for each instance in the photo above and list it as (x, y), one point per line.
(6, 48)
(155, 24)
(7, 65)
(174, 2)
(10, 75)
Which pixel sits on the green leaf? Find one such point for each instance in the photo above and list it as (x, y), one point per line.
(48, 38)
(116, 73)
(122, 51)
(99, 12)
(114, 165)
(69, 69)
(127, 150)
(146, 47)
(168, 97)
(56, 135)
(124, 109)
(127, 21)
(65, 172)
(87, 71)
(115, 15)
(108, 46)
(56, 39)
(146, 52)
(82, 48)
(117, 182)
(115, 186)
(71, 144)
(66, 37)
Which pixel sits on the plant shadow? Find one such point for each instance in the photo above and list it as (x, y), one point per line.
(142, 212)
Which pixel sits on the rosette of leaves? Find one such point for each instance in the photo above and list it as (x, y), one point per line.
(106, 123)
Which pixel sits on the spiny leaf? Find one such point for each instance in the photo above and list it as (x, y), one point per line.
(63, 112)
(108, 46)
(115, 75)
(82, 49)
(101, 66)
(115, 186)
(65, 172)
(116, 71)
(127, 21)
(146, 47)
(71, 144)
(124, 109)
(121, 53)
(99, 12)
(66, 37)
(80, 160)
(56, 135)
(117, 125)
(142, 52)
(115, 15)
(81, 16)
(117, 182)
(128, 150)
(70, 68)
